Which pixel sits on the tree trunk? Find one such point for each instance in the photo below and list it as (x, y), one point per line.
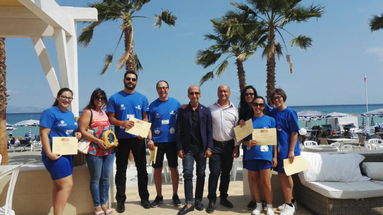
(241, 74)
(131, 64)
(3, 104)
(270, 66)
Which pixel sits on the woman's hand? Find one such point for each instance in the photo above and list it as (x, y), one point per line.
(77, 135)
(53, 156)
(291, 156)
(274, 162)
(102, 144)
(241, 123)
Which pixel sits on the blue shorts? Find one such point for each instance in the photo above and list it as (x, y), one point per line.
(256, 165)
(60, 168)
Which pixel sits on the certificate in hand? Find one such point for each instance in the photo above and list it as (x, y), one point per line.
(265, 136)
(243, 132)
(141, 128)
(65, 145)
(298, 165)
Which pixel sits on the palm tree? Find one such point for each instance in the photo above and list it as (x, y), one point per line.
(123, 10)
(232, 39)
(274, 15)
(376, 22)
(3, 104)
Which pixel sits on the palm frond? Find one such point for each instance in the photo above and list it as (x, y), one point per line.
(207, 57)
(87, 34)
(107, 62)
(206, 77)
(278, 49)
(376, 22)
(138, 63)
(167, 17)
(222, 68)
(288, 59)
(302, 42)
(301, 14)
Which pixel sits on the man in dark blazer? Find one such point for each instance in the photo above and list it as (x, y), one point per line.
(194, 142)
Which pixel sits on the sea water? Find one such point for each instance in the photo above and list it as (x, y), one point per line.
(13, 118)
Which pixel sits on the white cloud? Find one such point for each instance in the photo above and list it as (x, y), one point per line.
(376, 51)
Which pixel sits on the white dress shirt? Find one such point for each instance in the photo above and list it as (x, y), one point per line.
(224, 119)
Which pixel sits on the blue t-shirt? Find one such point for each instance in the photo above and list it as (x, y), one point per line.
(163, 116)
(62, 124)
(287, 122)
(260, 152)
(125, 106)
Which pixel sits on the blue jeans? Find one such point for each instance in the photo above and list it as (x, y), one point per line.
(100, 168)
(188, 164)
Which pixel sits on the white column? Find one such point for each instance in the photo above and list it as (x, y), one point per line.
(73, 69)
(46, 64)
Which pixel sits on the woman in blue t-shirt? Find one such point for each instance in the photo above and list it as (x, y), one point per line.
(288, 147)
(258, 159)
(58, 121)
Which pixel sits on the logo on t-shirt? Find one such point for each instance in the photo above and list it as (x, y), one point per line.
(138, 107)
(122, 107)
(62, 123)
(158, 116)
(172, 112)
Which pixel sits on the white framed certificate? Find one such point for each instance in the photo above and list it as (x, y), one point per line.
(65, 145)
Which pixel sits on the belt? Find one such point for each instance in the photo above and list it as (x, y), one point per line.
(223, 142)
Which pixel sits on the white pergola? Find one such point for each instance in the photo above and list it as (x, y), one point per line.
(38, 19)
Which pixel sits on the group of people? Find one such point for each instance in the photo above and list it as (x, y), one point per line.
(192, 132)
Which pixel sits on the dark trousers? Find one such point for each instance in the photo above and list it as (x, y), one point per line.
(220, 163)
(188, 167)
(138, 148)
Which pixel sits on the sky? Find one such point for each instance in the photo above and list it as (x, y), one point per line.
(328, 73)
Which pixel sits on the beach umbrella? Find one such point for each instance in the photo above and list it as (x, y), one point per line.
(336, 115)
(377, 112)
(310, 115)
(29, 122)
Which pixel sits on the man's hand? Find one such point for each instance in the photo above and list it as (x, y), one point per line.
(53, 156)
(208, 153)
(181, 154)
(236, 152)
(150, 144)
(274, 162)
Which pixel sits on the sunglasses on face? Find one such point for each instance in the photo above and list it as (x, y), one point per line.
(193, 93)
(249, 94)
(100, 98)
(131, 79)
(277, 97)
(162, 88)
(258, 104)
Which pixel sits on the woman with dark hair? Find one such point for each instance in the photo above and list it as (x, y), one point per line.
(258, 159)
(245, 112)
(99, 158)
(288, 147)
(58, 121)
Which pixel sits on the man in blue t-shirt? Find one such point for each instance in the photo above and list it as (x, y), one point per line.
(122, 107)
(163, 116)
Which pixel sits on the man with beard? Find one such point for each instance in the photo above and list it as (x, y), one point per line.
(122, 107)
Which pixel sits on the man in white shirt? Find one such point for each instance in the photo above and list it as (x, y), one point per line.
(224, 119)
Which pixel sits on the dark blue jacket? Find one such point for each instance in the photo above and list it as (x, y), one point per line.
(184, 121)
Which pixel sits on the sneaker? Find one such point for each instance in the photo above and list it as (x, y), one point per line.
(145, 204)
(157, 201)
(288, 210)
(176, 200)
(257, 209)
(251, 205)
(269, 211)
(295, 204)
(281, 207)
(120, 207)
